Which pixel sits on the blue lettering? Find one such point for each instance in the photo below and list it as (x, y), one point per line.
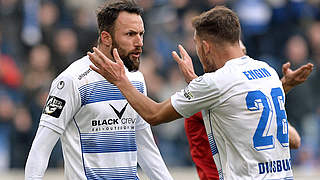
(258, 73)
(279, 167)
(248, 75)
(261, 168)
(286, 166)
(274, 166)
(264, 75)
(266, 71)
(267, 167)
(252, 74)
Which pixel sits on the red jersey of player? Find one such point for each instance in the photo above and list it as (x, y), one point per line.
(200, 148)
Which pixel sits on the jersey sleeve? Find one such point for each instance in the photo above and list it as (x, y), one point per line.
(149, 157)
(62, 103)
(141, 123)
(201, 93)
(39, 154)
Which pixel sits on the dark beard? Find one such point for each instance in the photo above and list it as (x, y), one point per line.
(131, 65)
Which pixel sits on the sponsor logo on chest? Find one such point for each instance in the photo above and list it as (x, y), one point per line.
(111, 124)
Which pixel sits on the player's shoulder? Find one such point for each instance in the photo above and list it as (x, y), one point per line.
(77, 70)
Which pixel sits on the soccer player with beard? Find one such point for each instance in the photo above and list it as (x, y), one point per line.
(102, 136)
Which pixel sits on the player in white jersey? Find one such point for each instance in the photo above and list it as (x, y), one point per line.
(102, 136)
(242, 100)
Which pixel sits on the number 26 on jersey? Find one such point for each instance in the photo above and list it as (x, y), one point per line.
(261, 139)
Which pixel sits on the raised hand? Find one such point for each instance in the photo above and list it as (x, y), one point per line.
(114, 72)
(293, 78)
(185, 64)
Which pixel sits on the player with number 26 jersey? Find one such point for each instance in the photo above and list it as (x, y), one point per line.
(243, 110)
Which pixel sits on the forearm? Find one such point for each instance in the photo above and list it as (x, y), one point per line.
(149, 157)
(39, 154)
(152, 112)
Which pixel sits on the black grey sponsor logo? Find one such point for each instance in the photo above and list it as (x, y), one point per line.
(84, 73)
(54, 106)
(97, 122)
(119, 114)
(187, 93)
(120, 123)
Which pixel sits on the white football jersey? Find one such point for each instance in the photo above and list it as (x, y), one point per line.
(96, 123)
(243, 110)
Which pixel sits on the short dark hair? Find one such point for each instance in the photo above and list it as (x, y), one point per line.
(109, 12)
(219, 24)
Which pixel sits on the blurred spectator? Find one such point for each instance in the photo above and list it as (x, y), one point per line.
(10, 75)
(314, 39)
(38, 73)
(309, 157)
(165, 34)
(85, 28)
(11, 24)
(7, 111)
(48, 15)
(21, 137)
(31, 34)
(150, 63)
(65, 49)
(254, 16)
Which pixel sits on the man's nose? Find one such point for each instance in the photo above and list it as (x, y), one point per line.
(138, 41)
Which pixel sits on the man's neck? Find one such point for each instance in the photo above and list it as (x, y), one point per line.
(225, 54)
(106, 51)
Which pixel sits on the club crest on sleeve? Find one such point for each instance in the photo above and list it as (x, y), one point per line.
(187, 93)
(60, 85)
(54, 106)
(198, 79)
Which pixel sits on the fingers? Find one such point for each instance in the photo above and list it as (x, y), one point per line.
(310, 66)
(183, 52)
(100, 55)
(285, 67)
(306, 72)
(176, 57)
(95, 69)
(117, 57)
(94, 59)
(303, 72)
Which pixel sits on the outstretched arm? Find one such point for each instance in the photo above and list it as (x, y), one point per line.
(152, 112)
(292, 78)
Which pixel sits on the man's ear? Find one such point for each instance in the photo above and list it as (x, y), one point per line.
(206, 47)
(106, 38)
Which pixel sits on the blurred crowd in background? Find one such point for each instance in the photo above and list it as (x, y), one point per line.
(40, 38)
